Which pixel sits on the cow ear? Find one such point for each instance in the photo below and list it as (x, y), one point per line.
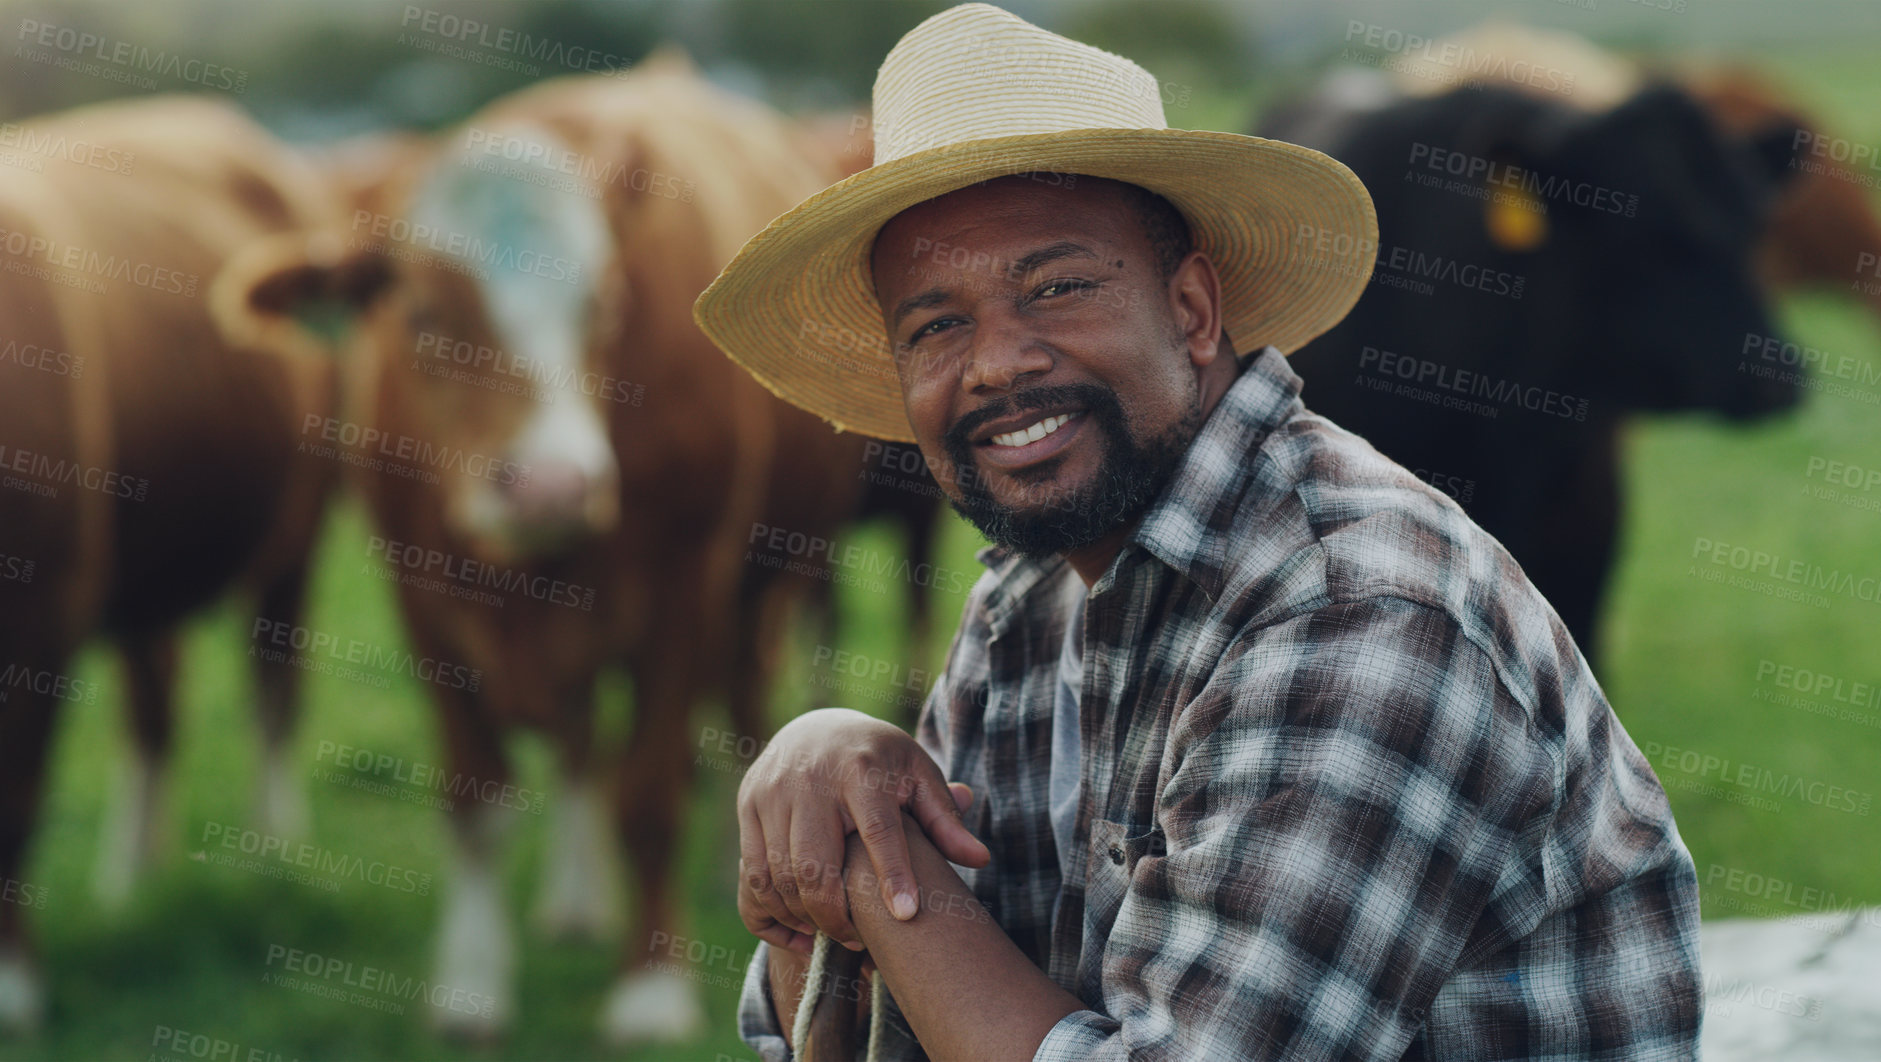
(297, 292)
(1773, 149)
(842, 143)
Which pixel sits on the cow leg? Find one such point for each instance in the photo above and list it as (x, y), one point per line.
(476, 943)
(280, 802)
(757, 632)
(25, 734)
(581, 880)
(137, 803)
(1578, 527)
(648, 1004)
(921, 527)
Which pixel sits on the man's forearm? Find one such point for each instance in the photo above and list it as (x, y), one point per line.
(785, 969)
(967, 990)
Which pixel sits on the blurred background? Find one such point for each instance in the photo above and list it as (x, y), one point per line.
(1723, 438)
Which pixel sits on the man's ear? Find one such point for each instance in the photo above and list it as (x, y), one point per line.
(1195, 297)
(297, 293)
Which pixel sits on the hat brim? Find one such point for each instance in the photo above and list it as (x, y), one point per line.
(1291, 231)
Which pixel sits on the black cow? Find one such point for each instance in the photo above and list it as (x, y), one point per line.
(1542, 272)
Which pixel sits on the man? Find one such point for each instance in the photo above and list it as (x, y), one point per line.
(1275, 754)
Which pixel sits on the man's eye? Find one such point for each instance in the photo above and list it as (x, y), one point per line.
(1054, 288)
(939, 324)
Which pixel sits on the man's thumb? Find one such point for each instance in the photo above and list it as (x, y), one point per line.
(963, 795)
(950, 834)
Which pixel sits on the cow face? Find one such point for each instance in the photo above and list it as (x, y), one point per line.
(496, 316)
(1667, 278)
(488, 285)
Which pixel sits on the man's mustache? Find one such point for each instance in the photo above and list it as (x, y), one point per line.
(959, 438)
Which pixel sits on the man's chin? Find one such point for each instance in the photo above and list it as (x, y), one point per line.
(1038, 529)
(1037, 492)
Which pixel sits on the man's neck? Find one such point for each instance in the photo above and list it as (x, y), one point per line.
(1092, 561)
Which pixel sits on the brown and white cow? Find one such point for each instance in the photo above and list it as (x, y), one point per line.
(565, 474)
(898, 488)
(147, 465)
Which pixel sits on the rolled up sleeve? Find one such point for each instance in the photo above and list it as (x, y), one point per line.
(757, 1018)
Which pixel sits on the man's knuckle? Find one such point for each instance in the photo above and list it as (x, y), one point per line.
(877, 824)
(809, 873)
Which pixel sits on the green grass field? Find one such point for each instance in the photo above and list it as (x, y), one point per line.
(191, 952)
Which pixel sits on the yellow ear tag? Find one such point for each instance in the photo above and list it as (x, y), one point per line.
(1516, 218)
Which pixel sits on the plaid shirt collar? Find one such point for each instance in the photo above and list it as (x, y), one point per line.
(1262, 397)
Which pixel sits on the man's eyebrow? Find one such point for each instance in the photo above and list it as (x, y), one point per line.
(1050, 253)
(926, 300)
(1045, 255)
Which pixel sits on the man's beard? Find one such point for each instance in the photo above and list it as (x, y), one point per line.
(1130, 476)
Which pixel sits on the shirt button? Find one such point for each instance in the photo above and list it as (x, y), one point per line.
(1116, 855)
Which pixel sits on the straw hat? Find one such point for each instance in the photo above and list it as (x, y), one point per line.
(975, 93)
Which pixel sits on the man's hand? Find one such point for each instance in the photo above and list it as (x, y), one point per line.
(827, 774)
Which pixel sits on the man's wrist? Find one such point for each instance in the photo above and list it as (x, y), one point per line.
(939, 892)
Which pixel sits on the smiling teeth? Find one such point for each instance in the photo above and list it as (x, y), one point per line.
(1034, 433)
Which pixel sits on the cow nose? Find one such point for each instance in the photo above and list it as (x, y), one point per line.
(556, 496)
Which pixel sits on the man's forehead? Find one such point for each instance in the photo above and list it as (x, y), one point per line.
(1035, 222)
(1067, 199)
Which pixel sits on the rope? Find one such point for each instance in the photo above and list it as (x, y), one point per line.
(813, 990)
(878, 1016)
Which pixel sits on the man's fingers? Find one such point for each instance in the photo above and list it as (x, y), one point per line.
(763, 924)
(936, 806)
(878, 823)
(816, 847)
(754, 874)
(783, 900)
(779, 936)
(758, 920)
(963, 796)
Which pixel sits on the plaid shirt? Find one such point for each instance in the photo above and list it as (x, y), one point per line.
(1349, 789)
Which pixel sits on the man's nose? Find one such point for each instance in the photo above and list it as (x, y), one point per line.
(1000, 357)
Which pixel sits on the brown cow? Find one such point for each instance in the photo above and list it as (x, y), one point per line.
(1823, 230)
(148, 465)
(566, 475)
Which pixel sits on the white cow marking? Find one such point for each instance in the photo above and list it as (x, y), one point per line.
(127, 844)
(537, 251)
(22, 995)
(581, 880)
(659, 1007)
(476, 944)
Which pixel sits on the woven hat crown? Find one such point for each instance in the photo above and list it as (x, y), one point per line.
(974, 72)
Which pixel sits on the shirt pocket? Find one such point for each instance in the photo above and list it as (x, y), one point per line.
(1111, 859)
